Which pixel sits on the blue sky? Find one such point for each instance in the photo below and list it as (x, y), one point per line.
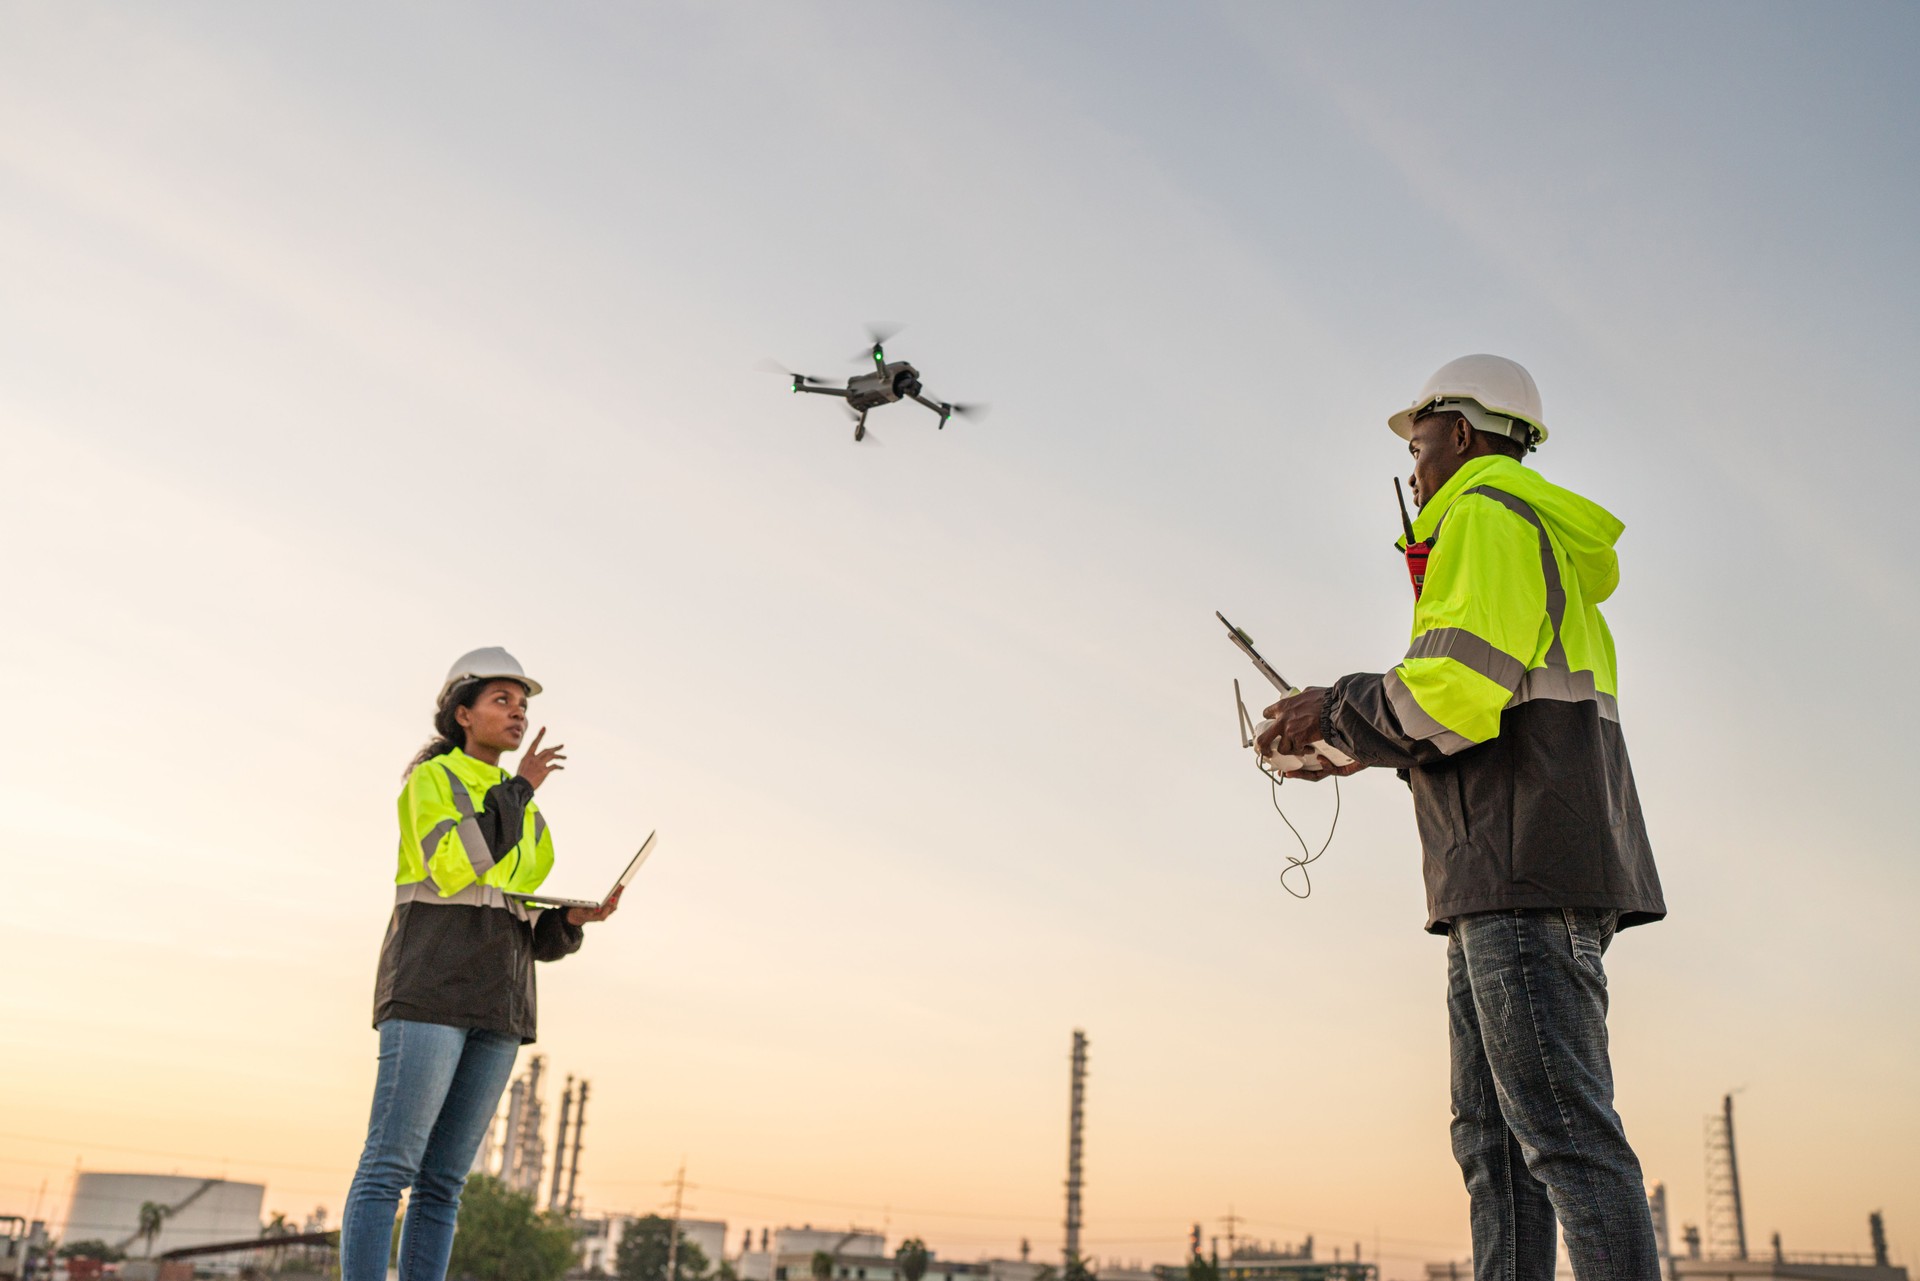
(337, 340)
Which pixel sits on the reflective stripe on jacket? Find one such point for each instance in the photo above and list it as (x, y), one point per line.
(1504, 709)
(458, 951)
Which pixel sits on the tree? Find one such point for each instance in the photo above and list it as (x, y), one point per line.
(1200, 1268)
(152, 1216)
(1079, 1268)
(821, 1266)
(502, 1237)
(642, 1255)
(912, 1258)
(91, 1250)
(1047, 1272)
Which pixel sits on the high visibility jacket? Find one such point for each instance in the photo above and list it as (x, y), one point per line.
(1504, 711)
(458, 951)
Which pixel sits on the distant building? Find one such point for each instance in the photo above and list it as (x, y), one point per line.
(780, 1246)
(1283, 1263)
(106, 1207)
(1781, 1266)
(599, 1239)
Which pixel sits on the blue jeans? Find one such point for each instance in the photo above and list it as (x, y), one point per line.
(433, 1099)
(1534, 1128)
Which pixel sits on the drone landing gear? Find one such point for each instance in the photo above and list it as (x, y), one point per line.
(860, 427)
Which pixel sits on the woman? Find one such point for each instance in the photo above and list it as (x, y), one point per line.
(454, 1000)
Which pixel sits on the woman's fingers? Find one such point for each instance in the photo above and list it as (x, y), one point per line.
(539, 734)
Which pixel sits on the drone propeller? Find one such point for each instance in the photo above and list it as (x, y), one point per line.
(799, 380)
(882, 332)
(973, 410)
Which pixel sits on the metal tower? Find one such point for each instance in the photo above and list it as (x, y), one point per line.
(560, 1148)
(1726, 1220)
(1076, 1120)
(573, 1170)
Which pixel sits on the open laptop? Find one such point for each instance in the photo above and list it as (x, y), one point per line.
(551, 900)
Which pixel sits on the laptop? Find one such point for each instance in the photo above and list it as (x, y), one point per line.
(553, 900)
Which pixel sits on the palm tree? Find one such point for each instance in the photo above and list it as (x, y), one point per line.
(821, 1266)
(152, 1216)
(912, 1258)
(276, 1228)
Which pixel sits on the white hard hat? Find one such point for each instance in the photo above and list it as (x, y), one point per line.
(1501, 387)
(491, 663)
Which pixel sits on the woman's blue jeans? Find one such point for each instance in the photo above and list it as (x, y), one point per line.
(1534, 1127)
(433, 1099)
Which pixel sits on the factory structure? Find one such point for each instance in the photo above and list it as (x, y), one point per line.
(213, 1226)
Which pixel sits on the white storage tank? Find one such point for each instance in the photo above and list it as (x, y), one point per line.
(201, 1211)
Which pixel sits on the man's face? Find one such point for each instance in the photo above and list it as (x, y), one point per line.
(1439, 444)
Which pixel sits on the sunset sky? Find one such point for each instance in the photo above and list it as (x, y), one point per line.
(339, 339)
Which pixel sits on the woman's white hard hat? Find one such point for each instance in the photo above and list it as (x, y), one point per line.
(490, 664)
(1501, 387)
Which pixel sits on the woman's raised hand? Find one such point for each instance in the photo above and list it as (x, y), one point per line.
(535, 764)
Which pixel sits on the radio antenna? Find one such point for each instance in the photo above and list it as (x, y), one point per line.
(1406, 521)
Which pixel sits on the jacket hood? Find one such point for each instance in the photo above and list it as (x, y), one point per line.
(1582, 529)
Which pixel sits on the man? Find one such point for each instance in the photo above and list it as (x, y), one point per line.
(1503, 721)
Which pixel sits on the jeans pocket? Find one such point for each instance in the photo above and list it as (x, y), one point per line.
(1588, 933)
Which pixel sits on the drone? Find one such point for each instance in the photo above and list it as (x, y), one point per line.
(887, 383)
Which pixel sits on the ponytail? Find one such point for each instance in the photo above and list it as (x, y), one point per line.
(447, 730)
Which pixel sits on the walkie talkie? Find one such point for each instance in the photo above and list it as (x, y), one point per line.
(1416, 552)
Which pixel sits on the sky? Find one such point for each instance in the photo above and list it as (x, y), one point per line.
(339, 339)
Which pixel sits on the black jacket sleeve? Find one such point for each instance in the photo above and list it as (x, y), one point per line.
(554, 936)
(1359, 721)
(504, 820)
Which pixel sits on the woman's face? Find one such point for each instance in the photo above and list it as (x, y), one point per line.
(497, 721)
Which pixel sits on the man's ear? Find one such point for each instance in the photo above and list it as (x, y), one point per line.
(1462, 436)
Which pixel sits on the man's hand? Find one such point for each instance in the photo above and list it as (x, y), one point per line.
(1296, 724)
(588, 915)
(535, 764)
(1326, 771)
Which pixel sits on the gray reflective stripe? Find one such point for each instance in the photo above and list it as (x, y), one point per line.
(539, 827)
(1415, 721)
(431, 841)
(1564, 687)
(1471, 652)
(472, 896)
(476, 846)
(470, 839)
(462, 799)
(1549, 569)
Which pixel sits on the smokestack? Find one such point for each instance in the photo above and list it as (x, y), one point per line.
(1878, 1226)
(560, 1145)
(573, 1172)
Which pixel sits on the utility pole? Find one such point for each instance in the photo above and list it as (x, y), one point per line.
(560, 1146)
(573, 1173)
(1076, 1121)
(679, 1186)
(1233, 1222)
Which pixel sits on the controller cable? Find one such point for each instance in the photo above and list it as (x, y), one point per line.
(1300, 864)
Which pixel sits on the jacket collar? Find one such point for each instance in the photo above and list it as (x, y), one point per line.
(1475, 471)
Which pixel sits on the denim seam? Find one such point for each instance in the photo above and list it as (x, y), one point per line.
(1513, 1206)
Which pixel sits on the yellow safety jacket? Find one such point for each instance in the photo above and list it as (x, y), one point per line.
(458, 951)
(443, 849)
(1504, 710)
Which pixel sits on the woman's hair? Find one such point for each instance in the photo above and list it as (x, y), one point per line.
(447, 731)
